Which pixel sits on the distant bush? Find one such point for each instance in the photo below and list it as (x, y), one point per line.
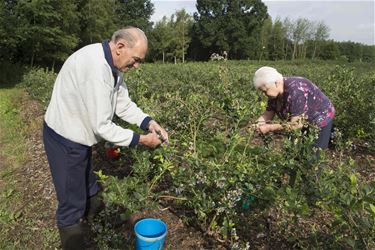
(10, 73)
(39, 83)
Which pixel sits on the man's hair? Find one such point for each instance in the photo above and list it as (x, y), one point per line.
(130, 34)
(266, 76)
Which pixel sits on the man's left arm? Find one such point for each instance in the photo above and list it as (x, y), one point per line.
(127, 110)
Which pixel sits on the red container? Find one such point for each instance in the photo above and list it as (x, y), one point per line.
(113, 152)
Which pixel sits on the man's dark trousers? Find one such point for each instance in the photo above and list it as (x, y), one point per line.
(72, 174)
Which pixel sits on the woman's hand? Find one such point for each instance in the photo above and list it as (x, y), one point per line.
(264, 129)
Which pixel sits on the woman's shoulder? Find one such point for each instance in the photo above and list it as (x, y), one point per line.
(298, 82)
(295, 79)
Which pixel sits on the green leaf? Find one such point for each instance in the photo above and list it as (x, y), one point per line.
(372, 207)
(353, 179)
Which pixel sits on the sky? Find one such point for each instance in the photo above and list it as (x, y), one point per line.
(348, 20)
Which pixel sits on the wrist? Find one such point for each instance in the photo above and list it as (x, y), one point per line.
(142, 140)
(146, 123)
(135, 140)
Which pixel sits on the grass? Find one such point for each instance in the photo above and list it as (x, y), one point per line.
(17, 229)
(12, 155)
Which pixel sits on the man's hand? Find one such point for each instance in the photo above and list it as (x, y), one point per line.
(154, 127)
(150, 140)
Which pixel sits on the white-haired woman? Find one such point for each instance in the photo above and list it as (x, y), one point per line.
(293, 99)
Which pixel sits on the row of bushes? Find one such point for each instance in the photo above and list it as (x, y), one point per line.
(235, 188)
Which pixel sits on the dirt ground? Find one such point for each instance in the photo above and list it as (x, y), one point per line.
(35, 181)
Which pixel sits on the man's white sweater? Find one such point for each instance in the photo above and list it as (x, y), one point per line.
(84, 100)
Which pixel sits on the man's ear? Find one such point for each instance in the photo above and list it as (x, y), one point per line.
(120, 45)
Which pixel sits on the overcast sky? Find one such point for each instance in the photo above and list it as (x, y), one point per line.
(347, 20)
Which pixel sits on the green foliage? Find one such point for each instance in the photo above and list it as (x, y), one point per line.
(350, 202)
(346, 88)
(232, 26)
(39, 83)
(170, 38)
(329, 51)
(134, 12)
(134, 192)
(47, 30)
(10, 73)
(44, 32)
(96, 21)
(234, 185)
(230, 183)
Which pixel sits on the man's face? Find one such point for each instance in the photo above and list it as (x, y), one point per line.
(128, 58)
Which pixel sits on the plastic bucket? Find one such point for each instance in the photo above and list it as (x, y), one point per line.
(150, 234)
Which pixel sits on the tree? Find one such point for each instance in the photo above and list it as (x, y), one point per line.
(208, 29)
(351, 50)
(321, 33)
(96, 20)
(135, 13)
(182, 26)
(277, 41)
(161, 37)
(171, 37)
(265, 35)
(47, 30)
(2, 21)
(289, 28)
(232, 26)
(368, 54)
(330, 50)
(3, 32)
(300, 34)
(9, 40)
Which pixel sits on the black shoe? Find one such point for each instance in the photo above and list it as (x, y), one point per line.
(75, 237)
(94, 205)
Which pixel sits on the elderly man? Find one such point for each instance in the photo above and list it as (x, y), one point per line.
(88, 91)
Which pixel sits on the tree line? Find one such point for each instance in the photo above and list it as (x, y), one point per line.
(46, 32)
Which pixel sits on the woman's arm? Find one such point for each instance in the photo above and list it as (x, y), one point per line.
(295, 123)
(265, 117)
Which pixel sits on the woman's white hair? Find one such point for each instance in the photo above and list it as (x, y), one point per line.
(266, 76)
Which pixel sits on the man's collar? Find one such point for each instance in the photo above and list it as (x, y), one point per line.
(108, 56)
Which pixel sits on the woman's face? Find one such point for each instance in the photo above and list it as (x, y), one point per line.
(274, 90)
(271, 91)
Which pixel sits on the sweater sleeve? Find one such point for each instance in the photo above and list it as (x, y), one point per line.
(127, 110)
(97, 97)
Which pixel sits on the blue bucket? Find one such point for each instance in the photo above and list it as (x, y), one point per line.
(150, 234)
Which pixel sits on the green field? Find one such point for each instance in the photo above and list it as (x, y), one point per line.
(240, 188)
